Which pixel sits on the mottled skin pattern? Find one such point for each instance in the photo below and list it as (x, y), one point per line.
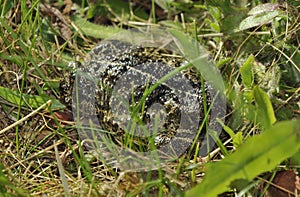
(107, 64)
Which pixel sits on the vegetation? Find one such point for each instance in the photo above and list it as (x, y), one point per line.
(255, 46)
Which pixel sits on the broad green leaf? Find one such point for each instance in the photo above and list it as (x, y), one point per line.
(33, 101)
(94, 30)
(263, 8)
(258, 154)
(264, 110)
(246, 72)
(257, 20)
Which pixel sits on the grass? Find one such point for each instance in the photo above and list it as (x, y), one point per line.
(258, 58)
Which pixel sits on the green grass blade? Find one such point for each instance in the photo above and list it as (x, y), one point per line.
(259, 154)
